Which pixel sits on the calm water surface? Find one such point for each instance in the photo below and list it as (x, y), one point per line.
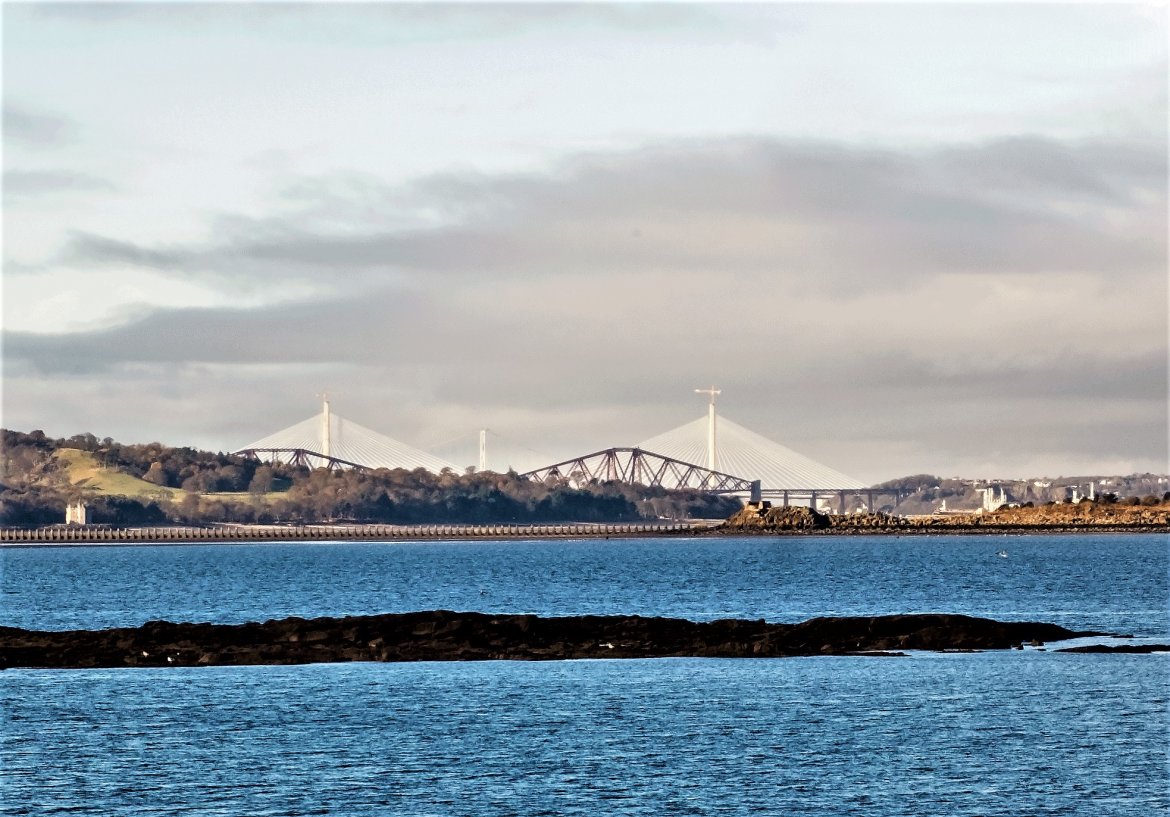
(1113, 583)
(998, 733)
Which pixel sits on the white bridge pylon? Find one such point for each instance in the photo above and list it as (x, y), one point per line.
(328, 440)
(711, 458)
(749, 455)
(669, 461)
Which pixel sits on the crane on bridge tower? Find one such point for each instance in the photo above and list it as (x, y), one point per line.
(710, 425)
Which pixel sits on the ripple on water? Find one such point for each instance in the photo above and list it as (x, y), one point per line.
(996, 733)
(989, 733)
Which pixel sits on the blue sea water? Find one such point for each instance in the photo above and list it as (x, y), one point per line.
(995, 733)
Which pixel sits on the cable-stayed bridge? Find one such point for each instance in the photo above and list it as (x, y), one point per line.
(330, 441)
(747, 464)
(490, 450)
(711, 454)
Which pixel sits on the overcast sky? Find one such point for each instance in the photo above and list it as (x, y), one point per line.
(901, 238)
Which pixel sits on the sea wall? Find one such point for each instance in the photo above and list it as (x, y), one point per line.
(75, 534)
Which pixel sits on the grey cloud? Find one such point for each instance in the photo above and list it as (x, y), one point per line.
(30, 183)
(615, 283)
(1046, 171)
(301, 333)
(802, 211)
(485, 351)
(1052, 415)
(814, 179)
(509, 18)
(88, 248)
(36, 128)
(389, 23)
(1075, 374)
(784, 207)
(90, 12)
(14, 267)
(439, 355)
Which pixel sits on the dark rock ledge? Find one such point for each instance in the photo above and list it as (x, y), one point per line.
(1133, 649)
(442, 635)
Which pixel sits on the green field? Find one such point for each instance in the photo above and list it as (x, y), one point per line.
(85, 472)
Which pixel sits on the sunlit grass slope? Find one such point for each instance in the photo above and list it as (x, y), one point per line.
(87, 473)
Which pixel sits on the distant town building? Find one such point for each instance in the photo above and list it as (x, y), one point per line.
(76, 513)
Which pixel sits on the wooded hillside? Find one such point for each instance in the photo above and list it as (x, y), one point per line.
(154, 483)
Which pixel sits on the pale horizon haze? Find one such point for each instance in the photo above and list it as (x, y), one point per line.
(901, 238)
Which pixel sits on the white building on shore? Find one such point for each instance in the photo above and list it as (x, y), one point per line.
(76, 513)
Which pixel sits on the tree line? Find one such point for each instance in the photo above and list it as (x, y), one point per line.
(218, 487)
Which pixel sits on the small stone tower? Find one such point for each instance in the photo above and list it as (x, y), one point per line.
(76, 513)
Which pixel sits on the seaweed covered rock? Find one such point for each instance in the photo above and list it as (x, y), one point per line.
(443, 635)
(763, 518)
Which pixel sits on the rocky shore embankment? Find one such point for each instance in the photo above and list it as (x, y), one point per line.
(1065, 517)
(447, 636)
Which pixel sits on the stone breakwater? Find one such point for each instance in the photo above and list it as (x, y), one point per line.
(161, 534)
(442, 635)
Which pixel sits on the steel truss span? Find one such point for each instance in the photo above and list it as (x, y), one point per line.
(300, 457)
(636, 466)
(331, 441)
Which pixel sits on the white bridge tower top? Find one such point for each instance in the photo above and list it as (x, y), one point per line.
(325, 441)
(710, 426)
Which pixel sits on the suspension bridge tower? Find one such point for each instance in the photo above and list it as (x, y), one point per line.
(710, 425)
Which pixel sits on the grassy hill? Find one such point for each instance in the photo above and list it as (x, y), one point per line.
(85, 472)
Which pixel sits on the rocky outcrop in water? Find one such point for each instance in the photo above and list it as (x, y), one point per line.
(446, 636)
(1064, 517)
(1132, 649)
(763, 518)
